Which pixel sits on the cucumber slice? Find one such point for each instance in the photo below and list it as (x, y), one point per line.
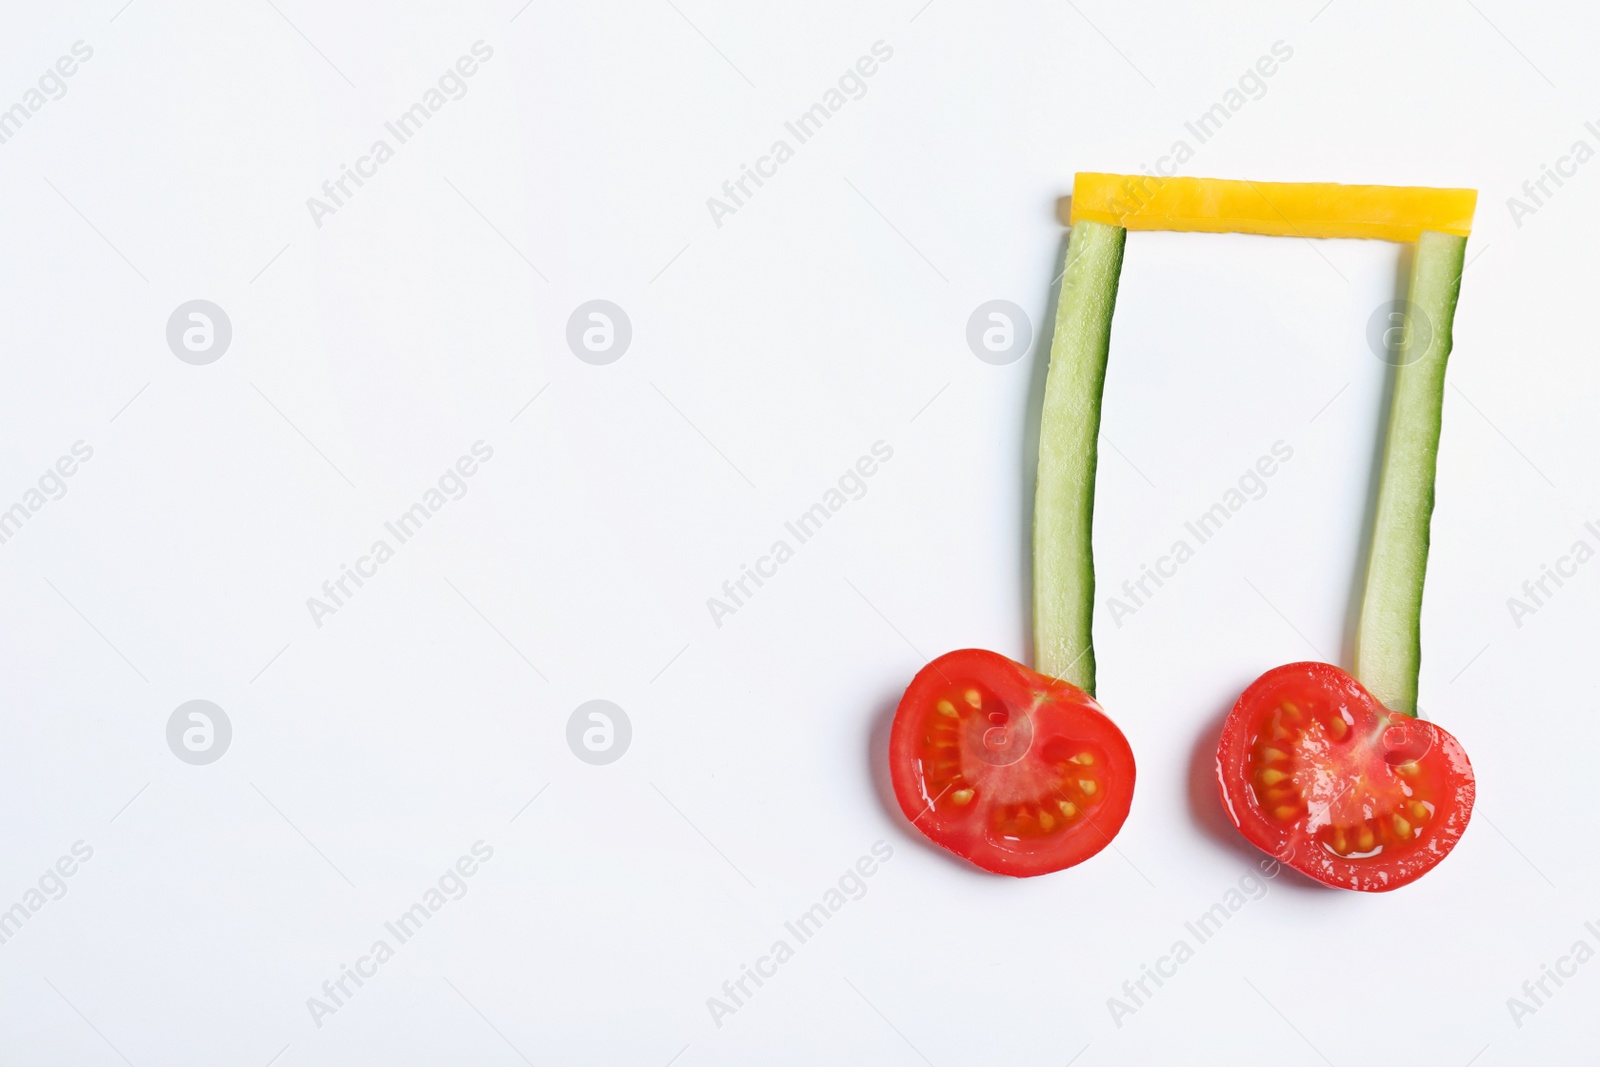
(1388, 636)
(1069, 431)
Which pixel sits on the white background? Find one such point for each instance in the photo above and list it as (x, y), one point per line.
(768, 353)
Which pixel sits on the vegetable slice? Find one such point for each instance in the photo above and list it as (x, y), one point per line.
(1318, 774)
(1388, 638)
(1069, 430)
(1279, 209)
(1015, 772)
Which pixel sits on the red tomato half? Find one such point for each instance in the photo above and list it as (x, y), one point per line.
(1019, 773)
(1316, 772)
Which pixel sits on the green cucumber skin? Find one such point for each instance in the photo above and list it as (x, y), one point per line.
(1069, 431)
(1389, 634)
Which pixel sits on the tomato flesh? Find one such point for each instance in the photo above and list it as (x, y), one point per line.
(1019, 773)
(1316, 772)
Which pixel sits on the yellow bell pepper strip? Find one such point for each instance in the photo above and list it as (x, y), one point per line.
(1275, 209)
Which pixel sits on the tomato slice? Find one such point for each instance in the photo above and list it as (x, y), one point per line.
(1317, 773)
(1017, 772)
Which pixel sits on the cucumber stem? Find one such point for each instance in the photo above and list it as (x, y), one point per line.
(1069, 431)
(1389, 634)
